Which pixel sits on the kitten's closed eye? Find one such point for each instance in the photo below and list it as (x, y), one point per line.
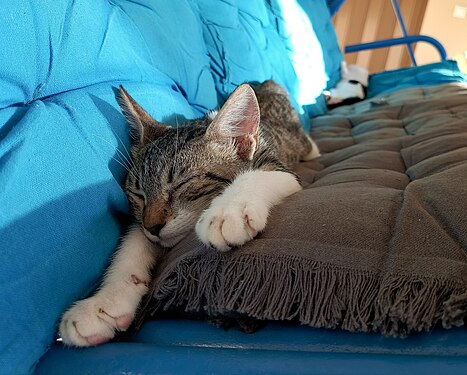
(218, 178)
(138, 196)
(194, 193)
(212, 184)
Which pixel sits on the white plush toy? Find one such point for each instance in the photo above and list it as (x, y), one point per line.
(351, 88)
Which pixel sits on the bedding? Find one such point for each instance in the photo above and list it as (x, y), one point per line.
(376, 241)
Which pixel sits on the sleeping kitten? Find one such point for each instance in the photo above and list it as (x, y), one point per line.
(219, 175)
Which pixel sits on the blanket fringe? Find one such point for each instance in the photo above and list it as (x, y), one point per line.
(292, 288)
(455, 311)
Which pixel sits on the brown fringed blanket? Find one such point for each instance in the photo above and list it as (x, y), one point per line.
(377, 240)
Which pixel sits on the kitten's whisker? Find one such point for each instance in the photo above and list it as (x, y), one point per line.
(174, 163)
(153, 142)
(126, 167)
(126, 158)
(123, 144)
(126, 163)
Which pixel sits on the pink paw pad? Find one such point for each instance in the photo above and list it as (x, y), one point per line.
(96, 339)
(124, 321)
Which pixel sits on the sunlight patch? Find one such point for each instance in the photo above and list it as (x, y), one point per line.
(306, 53)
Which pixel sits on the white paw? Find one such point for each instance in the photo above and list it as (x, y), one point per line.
(95, 320)
(228, 223)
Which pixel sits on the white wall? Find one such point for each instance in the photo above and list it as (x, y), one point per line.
(440, 24)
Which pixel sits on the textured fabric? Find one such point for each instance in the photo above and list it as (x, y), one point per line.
(63, 140)
(376, 241)
(64, 49)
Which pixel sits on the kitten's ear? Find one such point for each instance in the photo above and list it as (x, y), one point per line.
(238, 122)
(145, 127)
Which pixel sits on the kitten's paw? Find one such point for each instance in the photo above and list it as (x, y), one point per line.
(231, 223)
(95, 320)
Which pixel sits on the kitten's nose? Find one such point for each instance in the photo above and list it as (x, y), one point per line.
(156, 229)
(155, 215)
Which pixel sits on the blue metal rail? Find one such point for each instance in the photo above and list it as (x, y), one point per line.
(408, 40)
(398, 41)
(395, 6)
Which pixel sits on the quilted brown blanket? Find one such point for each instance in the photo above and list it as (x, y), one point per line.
(377, 240)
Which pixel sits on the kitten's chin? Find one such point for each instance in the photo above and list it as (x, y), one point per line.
(150, 237)
(171, 241)
(164, 241)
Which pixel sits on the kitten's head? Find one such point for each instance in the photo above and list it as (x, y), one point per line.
(176, 172)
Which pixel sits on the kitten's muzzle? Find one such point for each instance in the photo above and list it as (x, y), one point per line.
(155, 230)
(155, 216)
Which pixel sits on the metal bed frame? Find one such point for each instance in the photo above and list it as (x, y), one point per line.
(406, 39)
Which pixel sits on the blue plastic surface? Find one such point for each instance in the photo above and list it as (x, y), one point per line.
(195, 347)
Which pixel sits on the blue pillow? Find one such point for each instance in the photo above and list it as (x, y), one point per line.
(62, 206)
(57, 225)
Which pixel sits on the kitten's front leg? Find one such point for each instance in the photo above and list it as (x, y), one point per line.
(241, 211)
(95, 320)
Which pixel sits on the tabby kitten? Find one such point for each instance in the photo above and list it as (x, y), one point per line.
(219, 175)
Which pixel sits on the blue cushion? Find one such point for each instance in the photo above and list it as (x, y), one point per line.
(320, 17)
(63, 140)
(423, 75)
(244, 44)
(64, 48)
(292, 42)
